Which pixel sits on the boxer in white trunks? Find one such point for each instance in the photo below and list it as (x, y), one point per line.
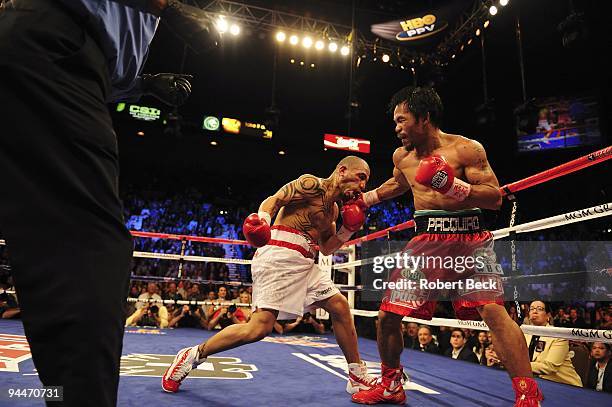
(286, 280)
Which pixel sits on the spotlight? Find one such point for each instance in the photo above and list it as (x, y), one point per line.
(281, 36)
(140, 133)
(385, 58)
(319, 45)
(462, 47)
(292, 61)
(453, 56)
(486, 24)
(333, 47)
(344, 50)
(307, 42)
(222, 25)
(235, 29)
(492, 10)
(293, 40)
(503, 3)
(281, 152)
(312, 65)
(213, 143)
(302, 63)
(477, 32)
(469, 41)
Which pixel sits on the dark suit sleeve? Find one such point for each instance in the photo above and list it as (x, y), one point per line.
(607, 382)
(468, 355)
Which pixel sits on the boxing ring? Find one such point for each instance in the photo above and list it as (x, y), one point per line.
(310, 370)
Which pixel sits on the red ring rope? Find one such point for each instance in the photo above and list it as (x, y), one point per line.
(595, 157)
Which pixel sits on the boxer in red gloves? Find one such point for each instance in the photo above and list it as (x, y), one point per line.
(286, 280)
(450, 178)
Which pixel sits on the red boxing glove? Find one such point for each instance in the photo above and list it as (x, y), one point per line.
(436, 173)
(353, 217)
(256, 230)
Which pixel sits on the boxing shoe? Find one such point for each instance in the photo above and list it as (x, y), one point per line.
(389, 388)
(527, 393)
(359, 378)
(182, 364)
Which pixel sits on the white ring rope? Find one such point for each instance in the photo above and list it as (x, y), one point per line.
(583, 334)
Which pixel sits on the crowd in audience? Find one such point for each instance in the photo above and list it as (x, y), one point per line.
(187, 213)
(560, 360)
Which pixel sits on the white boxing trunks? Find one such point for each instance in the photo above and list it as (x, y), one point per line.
(285, 276)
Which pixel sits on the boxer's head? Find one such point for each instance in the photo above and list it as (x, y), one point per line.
(352, 174)
(416, 112)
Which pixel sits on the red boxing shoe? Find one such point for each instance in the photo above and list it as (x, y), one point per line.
(527, 392)
(389, 388)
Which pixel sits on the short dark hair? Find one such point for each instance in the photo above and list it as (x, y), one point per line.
(419, 101)
(458, 330)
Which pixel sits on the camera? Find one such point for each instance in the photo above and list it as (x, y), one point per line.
(307, 316)
(231, 308)
(154, 309)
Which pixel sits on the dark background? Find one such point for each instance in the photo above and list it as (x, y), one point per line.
(234, 80)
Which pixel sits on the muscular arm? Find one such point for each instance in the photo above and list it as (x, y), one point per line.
(328, 241)
(304, 188)
(485, 187)
(395, 186)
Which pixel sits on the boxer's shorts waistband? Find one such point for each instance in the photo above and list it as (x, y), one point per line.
(290, 238)
(449, 222)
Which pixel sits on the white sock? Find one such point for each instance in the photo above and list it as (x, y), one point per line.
(357, 369)
(199, 359)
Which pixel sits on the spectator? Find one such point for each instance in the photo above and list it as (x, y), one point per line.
(149, 315)
(172, 293)
(222, 294)
(575, 321)
(194, 293)
(561, 319)
(426, 342)
(188, 316)
(550, 357)
(212, 295)
(150, 294)
(459, 350)
(479, 349)
(9, 308)
(491, 358)
(226, 316)
(245, 298)
(307, 324)
(600, 371)
(443, 337)
(411, 335)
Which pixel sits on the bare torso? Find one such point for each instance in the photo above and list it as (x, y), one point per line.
(424, 197)
(313, 215)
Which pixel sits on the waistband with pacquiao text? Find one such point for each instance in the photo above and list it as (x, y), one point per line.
(449, 222)
(290, 238)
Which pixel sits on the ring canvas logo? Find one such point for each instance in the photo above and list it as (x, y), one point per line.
(14, 349)
(141, 364)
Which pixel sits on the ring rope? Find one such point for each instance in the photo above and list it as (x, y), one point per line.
(601, 335)
(588, 160)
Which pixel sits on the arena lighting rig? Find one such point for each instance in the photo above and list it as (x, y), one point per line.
(316, 35)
